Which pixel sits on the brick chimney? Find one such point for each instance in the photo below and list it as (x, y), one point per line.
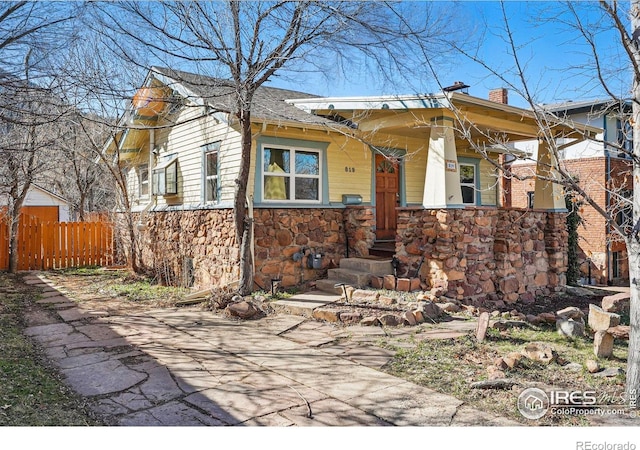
(500, 95)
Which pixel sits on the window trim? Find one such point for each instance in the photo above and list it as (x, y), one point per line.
(211, 147)
(475, 163)
(169, 162)
(141, 183)
(292, 144)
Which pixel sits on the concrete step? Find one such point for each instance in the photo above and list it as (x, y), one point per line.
(329, 286)
(353, 277)
(379, 267)
(304, 304)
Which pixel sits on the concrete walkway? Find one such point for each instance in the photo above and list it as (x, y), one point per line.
(188, 367)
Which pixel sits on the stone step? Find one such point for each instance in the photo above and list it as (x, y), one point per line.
(353, 277)
(329, 285)
(304, 304)
(379, 267)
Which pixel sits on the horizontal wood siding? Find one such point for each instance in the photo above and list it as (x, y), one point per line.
(187, 140)
(488, 183)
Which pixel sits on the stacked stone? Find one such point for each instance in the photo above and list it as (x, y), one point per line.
(281, 233)
(360, 229)
(205, 236)
(601, 321)
(485, 253)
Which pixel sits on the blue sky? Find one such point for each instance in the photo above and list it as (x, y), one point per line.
(548, 50)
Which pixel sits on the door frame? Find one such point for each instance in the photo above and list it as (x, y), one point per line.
(399, 154)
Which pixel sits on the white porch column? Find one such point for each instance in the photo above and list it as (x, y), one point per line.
(442, 177)
(547, 195)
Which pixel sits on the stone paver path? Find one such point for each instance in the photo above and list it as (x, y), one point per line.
(189, 367)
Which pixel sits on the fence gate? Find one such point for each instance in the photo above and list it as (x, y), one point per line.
(58, 245)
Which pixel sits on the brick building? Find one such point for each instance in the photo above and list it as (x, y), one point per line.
(604, 173)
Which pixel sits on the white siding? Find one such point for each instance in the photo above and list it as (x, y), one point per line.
(186, 139)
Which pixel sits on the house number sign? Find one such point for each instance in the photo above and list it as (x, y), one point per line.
(349, 169)
(450, 165)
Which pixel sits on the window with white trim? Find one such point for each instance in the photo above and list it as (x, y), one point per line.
(291, 174)
(211, 186)
(143, 180)
(165, 176)
(468, 183)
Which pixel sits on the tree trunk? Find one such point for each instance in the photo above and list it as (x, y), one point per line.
(244, 223)
(13, 242)
(633, 245)
(633, 359)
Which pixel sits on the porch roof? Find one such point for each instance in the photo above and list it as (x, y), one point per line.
(482, 120)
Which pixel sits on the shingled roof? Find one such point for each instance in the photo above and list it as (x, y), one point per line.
(268, 102)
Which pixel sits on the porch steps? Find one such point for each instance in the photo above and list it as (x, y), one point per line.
(385, 248)
(354, 272)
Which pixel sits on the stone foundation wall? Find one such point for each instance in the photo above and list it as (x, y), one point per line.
(498, 254)
(360, 224)
(282, 233)
(190, 248)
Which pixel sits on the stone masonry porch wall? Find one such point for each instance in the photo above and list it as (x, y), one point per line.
(207, 237)
(497, 254)
(281, 233)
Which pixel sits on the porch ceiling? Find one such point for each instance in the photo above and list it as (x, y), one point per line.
(482, 121)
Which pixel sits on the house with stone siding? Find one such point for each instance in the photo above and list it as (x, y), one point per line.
(337, 179)
(604, 171)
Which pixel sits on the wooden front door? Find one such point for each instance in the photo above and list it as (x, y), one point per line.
(387, 181)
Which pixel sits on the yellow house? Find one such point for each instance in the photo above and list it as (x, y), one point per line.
(331, 178)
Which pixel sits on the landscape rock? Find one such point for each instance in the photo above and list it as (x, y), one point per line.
(571, 312)
(600, 320)
(387, 301)
(448, 307)
(418, 316)
(547, 317)
(391, 320)
(410, 318)
(500, 363)
(350, 317)
(610, 372)
(539, 352)
(573, 367)
(328, 315)
(618, 303)
(429, 310)
(533, 319)
(620, 331)
(481, 328)
(362, 295)
(603, 344)
(579, 291)
(242, 309)
(592, 366)
(512, 359)
(570, 328)
(370, 321)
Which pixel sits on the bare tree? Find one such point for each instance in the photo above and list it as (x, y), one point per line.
(248, 43)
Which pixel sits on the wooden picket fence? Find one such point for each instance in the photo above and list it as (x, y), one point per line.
(58, 245)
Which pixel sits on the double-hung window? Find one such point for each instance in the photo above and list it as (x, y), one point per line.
(291, 174)
(143, 180)
(211, 186)
(468, 183)
(165, 176)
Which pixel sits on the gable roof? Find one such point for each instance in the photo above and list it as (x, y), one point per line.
(268, 102)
